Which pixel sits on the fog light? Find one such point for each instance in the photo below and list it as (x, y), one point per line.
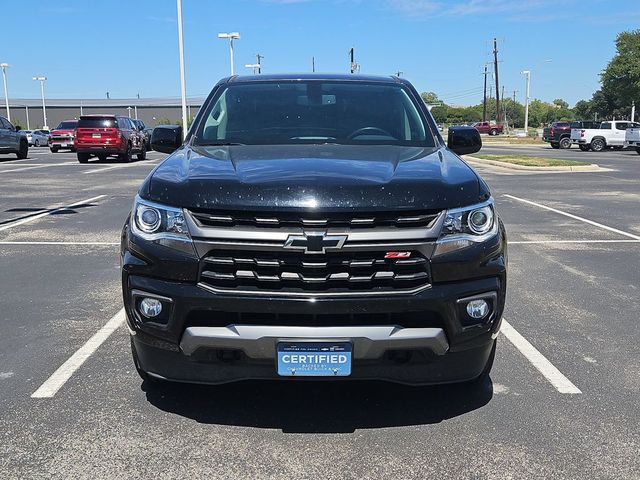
(150, 307)
(477, 309)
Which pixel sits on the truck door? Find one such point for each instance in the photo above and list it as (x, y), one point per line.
(619, 130)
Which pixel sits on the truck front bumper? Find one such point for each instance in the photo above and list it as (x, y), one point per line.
(202, 341)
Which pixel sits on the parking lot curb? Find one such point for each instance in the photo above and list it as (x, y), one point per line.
(594, 167)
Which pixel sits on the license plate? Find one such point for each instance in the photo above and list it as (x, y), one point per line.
(307, 359)
(63, 144)
(96, 135)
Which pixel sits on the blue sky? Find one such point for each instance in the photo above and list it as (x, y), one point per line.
(130, 46)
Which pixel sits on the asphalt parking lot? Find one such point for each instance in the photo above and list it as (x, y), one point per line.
(562, 401)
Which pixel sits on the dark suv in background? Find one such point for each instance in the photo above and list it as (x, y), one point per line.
(108, 135)
(558, 134)
(314, 226)
(11, 141)
(145, 132)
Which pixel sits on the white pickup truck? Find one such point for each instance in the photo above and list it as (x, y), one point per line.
(609, 135)
(632, 138)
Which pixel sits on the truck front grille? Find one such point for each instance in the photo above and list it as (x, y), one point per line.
(215, 318)
(424, 219)
(334, 272)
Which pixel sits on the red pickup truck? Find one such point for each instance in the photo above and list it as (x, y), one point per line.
(487, 127)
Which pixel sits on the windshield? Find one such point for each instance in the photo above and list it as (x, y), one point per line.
(67, 125)
(352, 113)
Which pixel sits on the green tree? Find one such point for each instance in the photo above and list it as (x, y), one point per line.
(560, 103)
(583, 110)
(430, 98)
(621, 77)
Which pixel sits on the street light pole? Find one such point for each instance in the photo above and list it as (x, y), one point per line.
(526, 102)
(6, 95)
(26, 111)
(183, 85)
(42, 79)
(231, 36)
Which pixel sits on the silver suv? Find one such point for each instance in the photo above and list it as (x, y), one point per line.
(11, 141)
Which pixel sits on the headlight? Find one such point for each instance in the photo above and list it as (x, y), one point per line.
(462, 227)
(151, 221)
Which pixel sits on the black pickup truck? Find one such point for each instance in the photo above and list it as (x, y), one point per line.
(314, 226)
(558, 134)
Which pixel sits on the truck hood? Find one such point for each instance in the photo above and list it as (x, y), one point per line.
(314, 177)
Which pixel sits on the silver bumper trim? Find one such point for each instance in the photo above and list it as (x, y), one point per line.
(259, 341)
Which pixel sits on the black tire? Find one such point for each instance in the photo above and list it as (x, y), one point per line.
(618, 148)
(102, 158)
(638, 150)
(54, 149)
(565, 143)
(598, 144)
(493, 132)
(584, 148)
(126, 156)
(37, 143)
(555, 145)
(143, 153)
(23, 152)
(83, 157)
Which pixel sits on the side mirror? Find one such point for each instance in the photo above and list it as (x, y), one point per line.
(18, 128)
(166, 138)
(464, 140)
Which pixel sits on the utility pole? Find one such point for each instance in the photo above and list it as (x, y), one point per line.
(231, 36)
(259, 62)
(42, 79)
(514, 96)
(4, 67)
(526, 102)
(107, 95)
(633, 110)
(183, 82)
(313, 64)
(504, 109)
(495, 63)
(399, 73)
(484, 97)
(352, 56)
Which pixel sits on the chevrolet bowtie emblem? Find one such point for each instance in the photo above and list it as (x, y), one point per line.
(315, 242)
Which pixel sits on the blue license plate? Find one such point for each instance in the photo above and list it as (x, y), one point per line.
(306, 359)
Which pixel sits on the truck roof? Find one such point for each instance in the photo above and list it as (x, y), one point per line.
(316, 76)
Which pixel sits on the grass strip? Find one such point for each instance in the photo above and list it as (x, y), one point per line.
(529, 161)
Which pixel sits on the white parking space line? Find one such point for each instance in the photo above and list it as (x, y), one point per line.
(51, 386)
(44, 213)
(544, 366)
(542, 242)
(61, 243)
(113, 167)
(22, 169)
(575, 217)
